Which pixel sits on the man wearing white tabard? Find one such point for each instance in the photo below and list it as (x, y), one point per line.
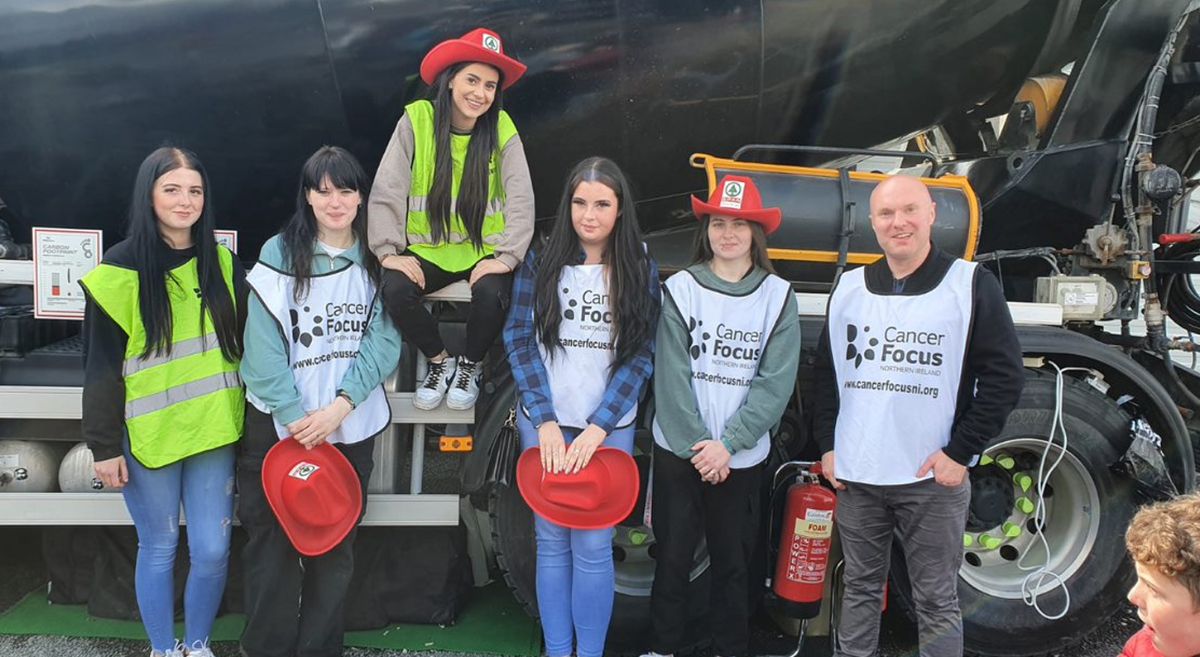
(918, 368)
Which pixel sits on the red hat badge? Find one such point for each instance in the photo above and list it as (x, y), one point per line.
(738, 197)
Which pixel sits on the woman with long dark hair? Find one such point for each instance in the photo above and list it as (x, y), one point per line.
(162, 401)
(725, 368)
(580, 339)
(453, 201)
(318, 348)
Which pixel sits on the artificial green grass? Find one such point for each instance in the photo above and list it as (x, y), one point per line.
(492, 623)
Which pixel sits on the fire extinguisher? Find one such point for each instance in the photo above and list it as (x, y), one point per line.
(804, 543)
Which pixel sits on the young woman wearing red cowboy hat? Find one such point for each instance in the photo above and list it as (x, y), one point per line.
(724, 369)
(453, 201)
(580, 339)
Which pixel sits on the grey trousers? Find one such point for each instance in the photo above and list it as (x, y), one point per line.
(928, 519)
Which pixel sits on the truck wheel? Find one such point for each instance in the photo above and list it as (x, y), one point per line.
(1088, 507)
(629, 631)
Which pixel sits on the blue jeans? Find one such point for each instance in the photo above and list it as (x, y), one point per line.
(204, 483)
(574, 569)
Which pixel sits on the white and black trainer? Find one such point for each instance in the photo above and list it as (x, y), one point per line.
(437, 380)
(465, 389)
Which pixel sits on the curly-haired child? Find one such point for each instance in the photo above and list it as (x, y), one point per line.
(1164, 541)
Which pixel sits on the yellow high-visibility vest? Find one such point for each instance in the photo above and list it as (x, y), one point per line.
(180, 403)
(455, 252)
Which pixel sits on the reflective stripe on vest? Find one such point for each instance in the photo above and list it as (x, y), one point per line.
(181, 349)
(455, 252)
(182, 393)
(188, 400)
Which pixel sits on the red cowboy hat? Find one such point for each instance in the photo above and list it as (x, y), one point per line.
(738, 197)
(478, 45)
(597, 497)
(315, 494)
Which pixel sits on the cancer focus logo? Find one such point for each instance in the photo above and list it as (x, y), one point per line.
(301, 336)
(591, 307)
(852, 352)
(697, 338)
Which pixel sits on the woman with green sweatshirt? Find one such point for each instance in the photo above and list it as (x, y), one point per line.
(318, 347)
(725, 367)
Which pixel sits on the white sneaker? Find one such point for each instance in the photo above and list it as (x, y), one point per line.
(198, 649)
(177, 651)
(433, 389)
(465, 389)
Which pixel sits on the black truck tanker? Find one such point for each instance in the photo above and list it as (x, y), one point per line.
(1075, 125)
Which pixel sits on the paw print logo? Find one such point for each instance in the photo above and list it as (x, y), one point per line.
(852, 352)
(697, 338)
(569, 313)
(305, 337)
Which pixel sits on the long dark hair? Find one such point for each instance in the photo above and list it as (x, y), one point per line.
(300, 234)
(472, 200)
(147, 242)
(702, 251)
(635, 310)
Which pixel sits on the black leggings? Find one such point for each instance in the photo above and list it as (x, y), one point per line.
(489, 304)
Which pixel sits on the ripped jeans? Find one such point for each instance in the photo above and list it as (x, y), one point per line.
(204, 483)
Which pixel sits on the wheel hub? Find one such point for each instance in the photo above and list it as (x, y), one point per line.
(1001, 525)
(992, 498)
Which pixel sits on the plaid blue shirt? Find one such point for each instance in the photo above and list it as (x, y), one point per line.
(521, 342)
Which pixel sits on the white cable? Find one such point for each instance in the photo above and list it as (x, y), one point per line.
(1039, 576)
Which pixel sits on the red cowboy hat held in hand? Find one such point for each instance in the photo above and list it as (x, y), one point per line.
(478, 45)
(738, 197)
(597, 497)
(315, 494)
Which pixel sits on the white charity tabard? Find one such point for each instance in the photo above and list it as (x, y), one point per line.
(726, 337)
(323, 333)
(579, 372)
(898, 361)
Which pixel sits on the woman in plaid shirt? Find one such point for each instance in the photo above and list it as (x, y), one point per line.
(580, 339)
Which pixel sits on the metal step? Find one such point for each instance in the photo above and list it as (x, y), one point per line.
(109, 509)
(403, 412)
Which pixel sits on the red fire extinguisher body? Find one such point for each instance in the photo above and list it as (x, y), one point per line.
(804, 544)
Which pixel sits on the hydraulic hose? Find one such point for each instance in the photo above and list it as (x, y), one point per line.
(1179, 295)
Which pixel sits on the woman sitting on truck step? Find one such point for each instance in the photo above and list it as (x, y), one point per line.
(318, 347)
(580, 339)
(728, 350)
(453, 201)
(162, 401)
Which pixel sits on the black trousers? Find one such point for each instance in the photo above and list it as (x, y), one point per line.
(294, 604)
(489, 305)
(685, 508)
